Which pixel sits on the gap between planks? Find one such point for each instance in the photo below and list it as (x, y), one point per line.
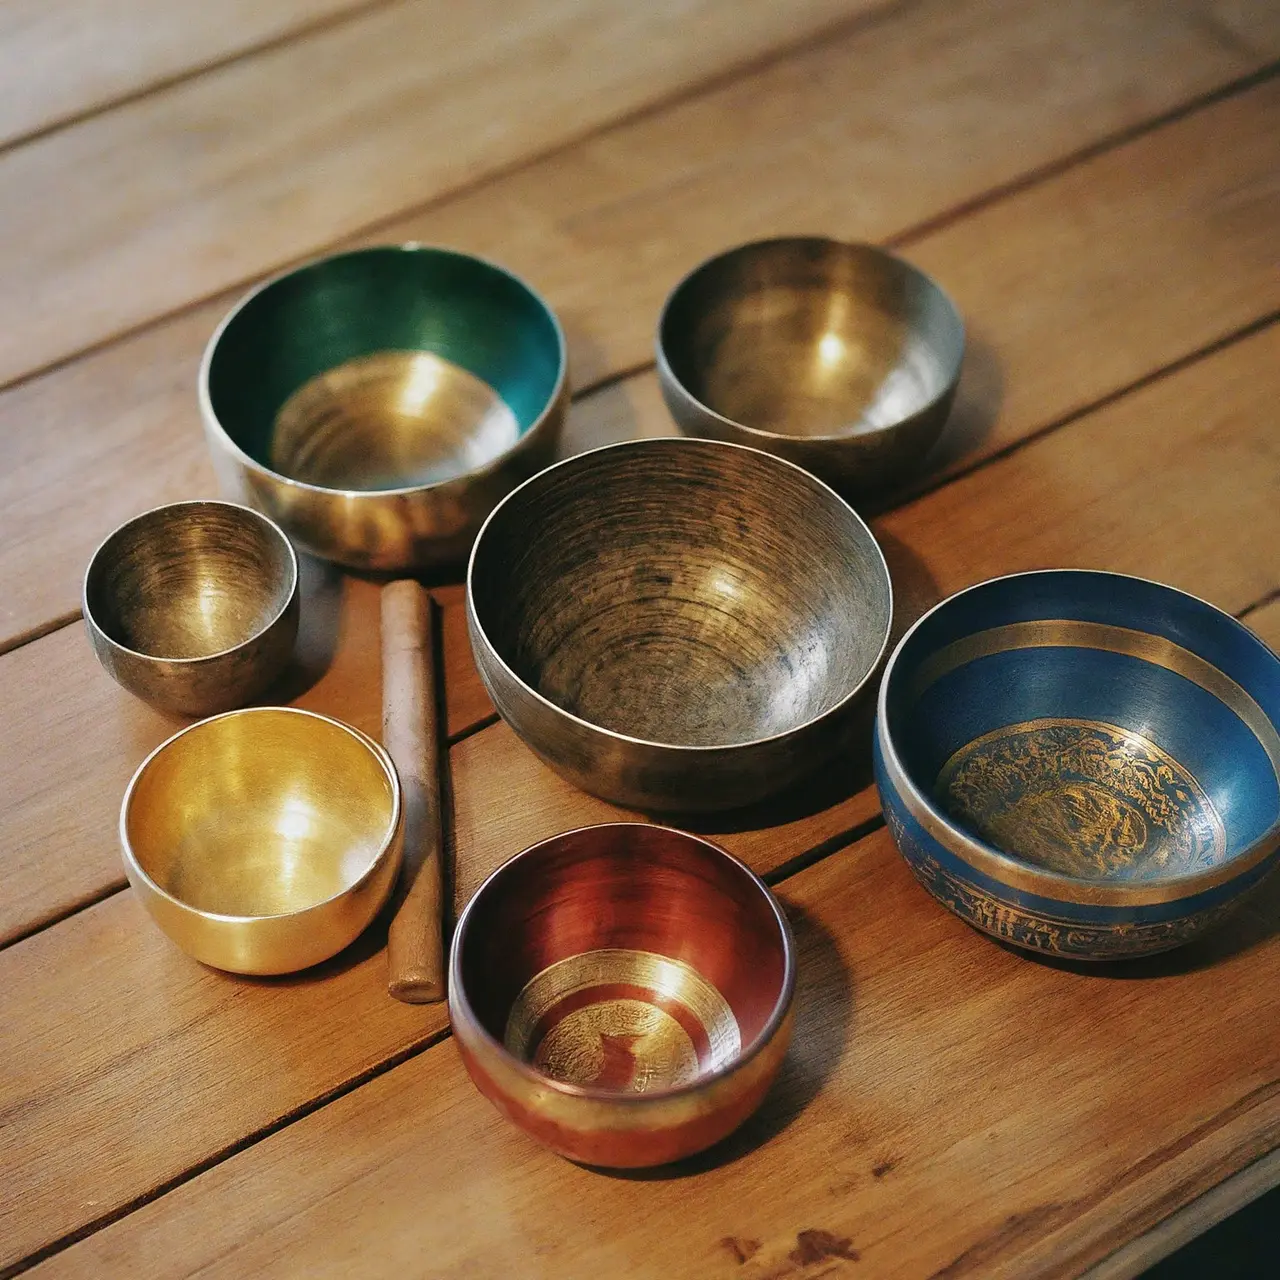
(316, 26)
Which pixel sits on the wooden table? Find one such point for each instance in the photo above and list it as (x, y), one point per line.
(1097, 184)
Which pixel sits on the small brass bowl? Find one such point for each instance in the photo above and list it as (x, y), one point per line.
(623, 993)
(193, 607)
(1081, 763)
(264, 840)
(678, 625)
(841, 357)
(378, 403)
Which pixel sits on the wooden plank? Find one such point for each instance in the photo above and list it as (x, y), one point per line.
(59, 60)
(1203, 425)
(948, 1107)
(605, 228)
(1194, 1219)
(177, 1062)
(217, 179)
(1266, 623)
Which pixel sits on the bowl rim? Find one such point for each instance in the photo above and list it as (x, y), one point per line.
(1017, 873)
(950, 382)
(457, 992)
(214, 423)
(134, 867)
(290, 595)
(692, 442)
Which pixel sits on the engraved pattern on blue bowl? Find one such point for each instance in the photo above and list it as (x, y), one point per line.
(1120, 656)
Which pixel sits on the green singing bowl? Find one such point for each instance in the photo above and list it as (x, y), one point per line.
(379, 403)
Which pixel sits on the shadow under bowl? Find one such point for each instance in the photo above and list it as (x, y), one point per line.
(263, 841)
(843, 358)
(1082, 763)
(623, 993)
(378, 403)
(193, 607)
(677, 625)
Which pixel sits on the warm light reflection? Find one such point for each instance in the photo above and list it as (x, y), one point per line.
(420, 385)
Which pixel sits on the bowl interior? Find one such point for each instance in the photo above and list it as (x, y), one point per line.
(261, 813)
(190, 581)
(812, 338)
(682, 592)
(1096, 726)
(385, 368)
(625, 958)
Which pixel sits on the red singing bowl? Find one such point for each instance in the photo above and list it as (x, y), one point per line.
(623, 993)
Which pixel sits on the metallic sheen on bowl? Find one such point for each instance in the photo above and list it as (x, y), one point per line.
(1082, 763)
(678, 624)
(378, 403)
(843, 358)
(193, 607)
(623, 993)
(265, 840)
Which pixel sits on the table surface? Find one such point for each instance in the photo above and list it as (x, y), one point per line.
(1098, 186)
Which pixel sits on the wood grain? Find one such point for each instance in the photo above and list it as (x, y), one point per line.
(976, 93)
(61, 60)
(948, 1108)
(217, 179)
(1201, 422)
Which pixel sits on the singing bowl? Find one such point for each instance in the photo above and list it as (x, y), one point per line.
(378, 403)
(265, 840)
(677, 625)
(623, 993)
(1082, 763)
(840, 357)
(193, 607)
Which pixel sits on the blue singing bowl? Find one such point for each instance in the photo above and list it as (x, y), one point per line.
(1080, 763)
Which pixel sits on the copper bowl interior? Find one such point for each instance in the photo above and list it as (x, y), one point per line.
(190, 580)
(682, 592)
(625, 959)
(811, 337)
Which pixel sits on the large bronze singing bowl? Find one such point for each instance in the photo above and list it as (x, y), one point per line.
(193, 607)
(378, 403)
(677, 624)
(265, 840)
(841, 357)
(623, 993)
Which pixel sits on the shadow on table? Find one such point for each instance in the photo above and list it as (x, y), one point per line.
(824, 1025)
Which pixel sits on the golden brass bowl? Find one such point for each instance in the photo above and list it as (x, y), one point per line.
(378, 403)
(843, 358)
(193, 607)
(623, 993)
(263, 840)
(678, 625)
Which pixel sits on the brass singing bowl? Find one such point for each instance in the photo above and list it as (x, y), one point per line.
(840, 357)
(623, 993)
(265, 840)
(378, 403)
(677, 624)
(193, 607)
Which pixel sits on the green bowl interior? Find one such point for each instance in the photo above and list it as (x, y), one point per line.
(304, 324)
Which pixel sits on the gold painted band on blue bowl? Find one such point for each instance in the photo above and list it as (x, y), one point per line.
(1054, 633)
